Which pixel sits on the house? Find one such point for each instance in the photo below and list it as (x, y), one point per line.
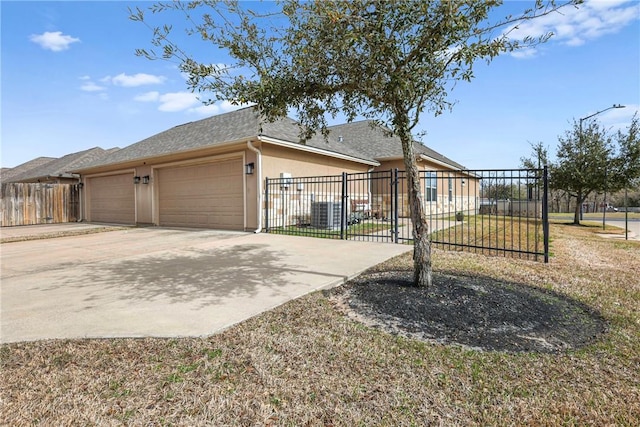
(8, 173)
(210, 173)
(50, 170)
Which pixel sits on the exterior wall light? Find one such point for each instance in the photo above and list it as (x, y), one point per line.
(248, 168)
(145, 179)
(136, 180)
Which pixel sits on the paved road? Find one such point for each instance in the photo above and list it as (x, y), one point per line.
(164, 282)
(633, 224)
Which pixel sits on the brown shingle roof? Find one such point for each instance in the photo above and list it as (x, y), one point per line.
(61, 167)
(7, 175)
(359, 141)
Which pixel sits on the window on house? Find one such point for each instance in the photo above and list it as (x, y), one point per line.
(430, 187)
(450, 189)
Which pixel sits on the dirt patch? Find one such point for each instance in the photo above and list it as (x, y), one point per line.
(56, 234)
(476, 312)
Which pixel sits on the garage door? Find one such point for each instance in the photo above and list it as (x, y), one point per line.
(112, 199)
(204, 196)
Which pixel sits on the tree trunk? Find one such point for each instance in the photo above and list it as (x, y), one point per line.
(422, 269)
(579, 201)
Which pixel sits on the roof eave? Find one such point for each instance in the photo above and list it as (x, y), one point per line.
(436, 161)
(129, 162)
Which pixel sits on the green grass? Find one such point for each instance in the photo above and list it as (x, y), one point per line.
(364, 227)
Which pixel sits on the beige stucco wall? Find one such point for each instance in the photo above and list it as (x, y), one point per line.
(463, 197)
(144, 196)
(251, 192)
(277, 160)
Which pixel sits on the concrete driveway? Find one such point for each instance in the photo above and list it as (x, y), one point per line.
(142, 282)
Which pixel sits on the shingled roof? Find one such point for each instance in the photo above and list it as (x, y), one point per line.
(376, 142)
(62, 167)
(239, 125)
(360, 140)
(7, 175)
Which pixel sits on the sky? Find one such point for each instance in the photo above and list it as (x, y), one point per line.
(70, 81)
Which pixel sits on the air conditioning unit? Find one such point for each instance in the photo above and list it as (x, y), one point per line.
(285, 180)
(326, 215)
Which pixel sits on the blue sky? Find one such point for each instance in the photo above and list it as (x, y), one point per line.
(70, 81)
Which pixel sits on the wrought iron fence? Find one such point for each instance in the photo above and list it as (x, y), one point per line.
(496, 212)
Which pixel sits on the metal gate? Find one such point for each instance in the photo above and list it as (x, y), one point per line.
(494, 212)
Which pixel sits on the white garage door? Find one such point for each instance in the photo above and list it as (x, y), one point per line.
(112, 199)
(204, 196)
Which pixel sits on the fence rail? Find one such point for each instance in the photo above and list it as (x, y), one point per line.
(35, 203)
(489, 211)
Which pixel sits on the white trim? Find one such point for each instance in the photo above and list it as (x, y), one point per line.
(153, 157)
(438, 162)
(314, 150)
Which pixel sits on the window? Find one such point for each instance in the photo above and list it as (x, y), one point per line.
(450, 188)
(430, 187)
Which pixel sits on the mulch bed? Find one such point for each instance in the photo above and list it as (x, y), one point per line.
(476, 312)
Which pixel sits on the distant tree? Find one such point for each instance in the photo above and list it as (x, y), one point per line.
(496, 188)
(593, 161)
(625, 168)
(388, 61)
(539, 159)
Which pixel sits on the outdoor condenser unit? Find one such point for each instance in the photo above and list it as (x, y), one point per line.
(326, 215)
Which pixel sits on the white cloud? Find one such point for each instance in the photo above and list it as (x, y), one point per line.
(139, 79)
(616, 119)
(185, 101)
(619, 118)
(213, 109)
(54, 41)
(575, 26)
(524, 53)
(177, 101)
(90, 86)
(148, 97)
(206, 110)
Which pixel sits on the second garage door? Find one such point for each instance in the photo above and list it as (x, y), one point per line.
(204, 196)
(112, 199)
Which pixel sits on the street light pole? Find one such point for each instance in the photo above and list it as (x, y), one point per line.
(604, 209)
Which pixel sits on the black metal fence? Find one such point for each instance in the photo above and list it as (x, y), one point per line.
(496, 212)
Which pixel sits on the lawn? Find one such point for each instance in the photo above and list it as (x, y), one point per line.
(305, 363)
(511, 236)
(361, 228)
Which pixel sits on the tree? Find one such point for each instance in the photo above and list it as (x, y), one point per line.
(377, 59)
(538, 160)
(539, 157)
(590, 161)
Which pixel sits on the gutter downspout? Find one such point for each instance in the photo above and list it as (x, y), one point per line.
(259, 182)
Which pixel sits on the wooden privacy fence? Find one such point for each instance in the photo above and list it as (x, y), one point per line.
(35, 203)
